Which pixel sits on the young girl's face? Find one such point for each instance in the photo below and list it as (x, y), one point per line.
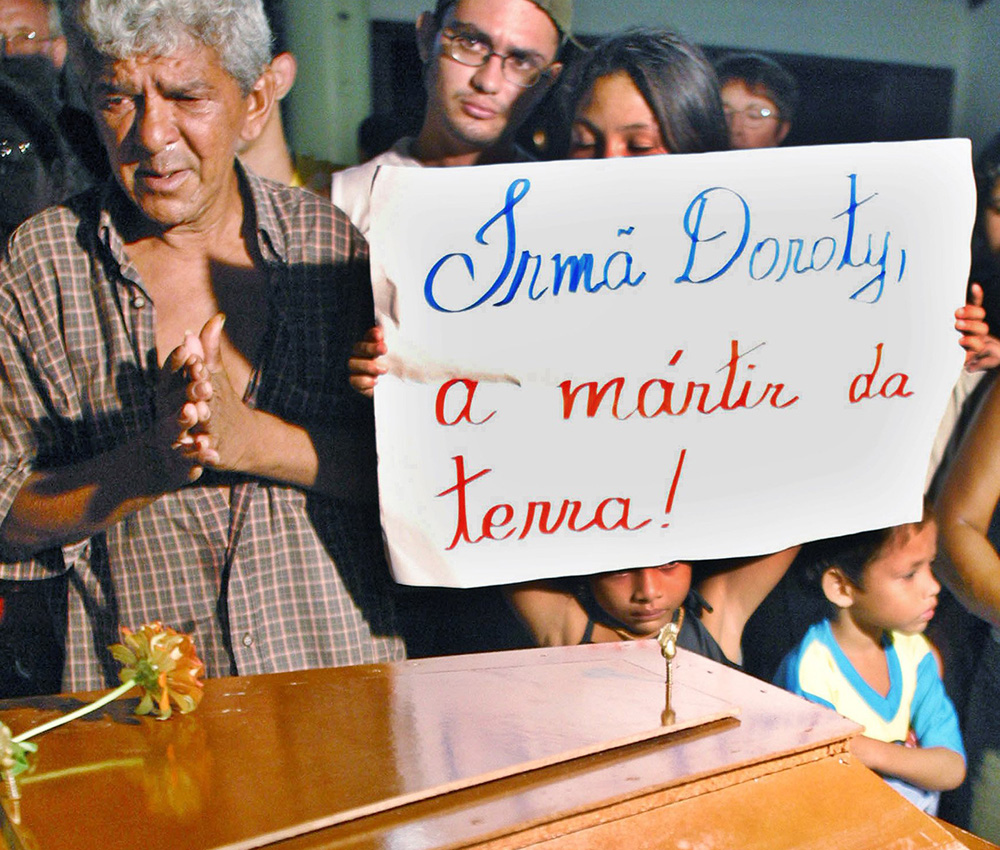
(643, 600)
(613, 119)
(899, 590)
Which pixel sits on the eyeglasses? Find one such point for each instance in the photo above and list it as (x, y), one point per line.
(751, 114)
(470, 50)
(22, 43)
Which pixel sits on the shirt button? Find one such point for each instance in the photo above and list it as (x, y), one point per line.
(248, 639)
(139, 301)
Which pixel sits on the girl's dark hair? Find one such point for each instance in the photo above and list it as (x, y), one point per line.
(673, 76)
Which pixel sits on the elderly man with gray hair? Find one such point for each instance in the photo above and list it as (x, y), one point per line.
(177, 435)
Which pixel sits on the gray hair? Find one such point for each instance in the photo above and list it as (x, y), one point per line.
(119, 29)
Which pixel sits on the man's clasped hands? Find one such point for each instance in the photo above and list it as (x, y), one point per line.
(199, 412)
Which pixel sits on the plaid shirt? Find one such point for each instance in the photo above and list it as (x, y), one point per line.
(266, 577)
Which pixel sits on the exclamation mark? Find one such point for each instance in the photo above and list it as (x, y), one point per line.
(673, 486)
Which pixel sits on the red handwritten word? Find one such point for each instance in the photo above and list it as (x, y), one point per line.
(611, 513)
(673, 485)
(656, 396)
(893, 386)
(466, 411)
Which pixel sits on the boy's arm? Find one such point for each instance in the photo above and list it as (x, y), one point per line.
(931, 768)
(937, 763)
(552, 614)
(736, 592)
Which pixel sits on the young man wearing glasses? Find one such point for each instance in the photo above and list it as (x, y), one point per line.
(759, 97)
(486, 64)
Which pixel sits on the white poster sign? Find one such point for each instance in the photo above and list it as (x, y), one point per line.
(607, 364)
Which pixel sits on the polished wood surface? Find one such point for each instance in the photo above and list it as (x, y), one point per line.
(967, 839)
(332, 756)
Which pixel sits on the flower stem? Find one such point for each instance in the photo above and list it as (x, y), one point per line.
(112, 764)
(80, 712)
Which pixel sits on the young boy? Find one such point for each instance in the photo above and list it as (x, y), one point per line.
(870, 661)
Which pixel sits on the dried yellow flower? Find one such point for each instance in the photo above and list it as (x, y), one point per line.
(162, 662)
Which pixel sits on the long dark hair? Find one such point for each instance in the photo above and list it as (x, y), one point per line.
(673, 76)
(985, 264)
(987, 173)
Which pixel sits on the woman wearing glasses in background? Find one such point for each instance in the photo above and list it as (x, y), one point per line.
(759, 97)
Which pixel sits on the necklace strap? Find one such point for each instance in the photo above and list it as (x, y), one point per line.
(625, 634)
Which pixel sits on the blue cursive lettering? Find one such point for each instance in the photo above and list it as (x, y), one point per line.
(714, 248)
(571, 273)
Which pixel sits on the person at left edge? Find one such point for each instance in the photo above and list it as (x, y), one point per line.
(177, 430)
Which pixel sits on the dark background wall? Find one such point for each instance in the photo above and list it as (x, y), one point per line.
(843, 100)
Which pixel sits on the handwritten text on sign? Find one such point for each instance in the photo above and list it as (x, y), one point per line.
(607, 364)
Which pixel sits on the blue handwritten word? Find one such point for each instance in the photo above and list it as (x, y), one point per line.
(786, 256)
(574, 270)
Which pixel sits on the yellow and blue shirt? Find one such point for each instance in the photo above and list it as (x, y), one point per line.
(819, 670)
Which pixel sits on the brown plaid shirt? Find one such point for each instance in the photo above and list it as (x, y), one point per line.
(266, 577)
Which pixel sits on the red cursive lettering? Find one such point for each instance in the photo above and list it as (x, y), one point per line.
(466, 411)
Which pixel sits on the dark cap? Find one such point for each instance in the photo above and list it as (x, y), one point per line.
(561, 12)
